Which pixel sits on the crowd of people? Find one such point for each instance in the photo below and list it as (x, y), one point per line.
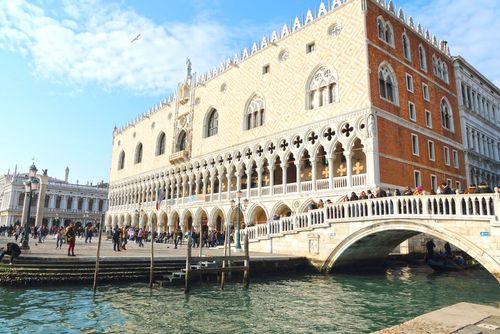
(443, 189)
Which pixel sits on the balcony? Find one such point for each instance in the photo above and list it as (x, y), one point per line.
(177, 157)
(357, 182)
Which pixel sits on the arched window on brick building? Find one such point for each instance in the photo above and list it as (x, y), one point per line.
(387, 83)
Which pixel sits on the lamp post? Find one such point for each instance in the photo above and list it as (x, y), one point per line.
(233, 204)
(31, 184)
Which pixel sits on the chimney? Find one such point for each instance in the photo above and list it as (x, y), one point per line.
(66, 174)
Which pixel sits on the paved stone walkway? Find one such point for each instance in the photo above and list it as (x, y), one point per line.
(461, 318)
(47, 249)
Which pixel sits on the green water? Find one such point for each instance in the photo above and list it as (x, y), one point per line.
(301, 304)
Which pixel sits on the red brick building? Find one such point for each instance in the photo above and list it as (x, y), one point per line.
(413, 91)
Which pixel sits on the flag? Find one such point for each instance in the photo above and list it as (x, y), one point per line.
(160, 196)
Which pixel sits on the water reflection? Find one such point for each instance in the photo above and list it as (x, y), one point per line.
(313, 303)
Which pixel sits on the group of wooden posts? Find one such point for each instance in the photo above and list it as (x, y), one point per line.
(221, 264)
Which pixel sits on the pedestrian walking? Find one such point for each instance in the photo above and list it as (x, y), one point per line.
(17, 232)
(124, 233)
(71, 239)
(88, 234)
(178, 238)
(140, 236)
(116, 239)
(59, 238)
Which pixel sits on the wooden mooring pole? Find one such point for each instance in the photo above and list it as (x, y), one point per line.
(187, 282)
(152, 262)
(223, 274)
(246, 263)
(96, 272)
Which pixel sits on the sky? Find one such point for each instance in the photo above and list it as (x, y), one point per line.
(69, 72)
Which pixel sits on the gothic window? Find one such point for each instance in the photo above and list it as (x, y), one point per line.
(387, 84)
(138, 153)
(385, 32)
(446, 115)
(181, 142)
(422, 58)
(121, 160)
(160, 145)
(440, 69)
(406, 47)
(255, 112)
(322, 89)
(212, 123)
(381, 28)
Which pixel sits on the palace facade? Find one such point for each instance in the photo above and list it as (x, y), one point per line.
(63, 202)
(354, 96)
(479, 103)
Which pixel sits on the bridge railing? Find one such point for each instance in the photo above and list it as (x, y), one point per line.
(431, 207)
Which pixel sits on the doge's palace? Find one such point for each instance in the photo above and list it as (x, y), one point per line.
(346, 99)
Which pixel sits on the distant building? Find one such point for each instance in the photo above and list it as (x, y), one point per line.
(479, 106)
(64, 202)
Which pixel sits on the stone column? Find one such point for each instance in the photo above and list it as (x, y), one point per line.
(259, 180)
(249, 181)
(372, 166)
(238, 181)
(349, 171)
(283, 174)
(271, 179)
(44, 179)
(228, 178)
(74, 204)
(190, 182)
(314, 175)
(204, 185)
(330, 172)
(297, 171)
(212, 182)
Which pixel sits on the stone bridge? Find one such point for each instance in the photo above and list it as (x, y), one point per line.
(364, 231)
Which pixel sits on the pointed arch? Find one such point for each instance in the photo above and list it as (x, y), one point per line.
(255, 110)
(446, 115)
(387, 82)
(161, 143)
(422, 57)
(322, 88)
(406, 47)
(358, 158)
(180, 144)
(385, 31)
(211, 124)
(121, 160)
(138, 153)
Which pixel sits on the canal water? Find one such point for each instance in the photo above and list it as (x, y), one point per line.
(339, 303)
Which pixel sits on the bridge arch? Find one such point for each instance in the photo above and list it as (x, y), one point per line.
(376, 241)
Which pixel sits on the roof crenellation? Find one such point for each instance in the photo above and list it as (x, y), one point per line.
(286, 30)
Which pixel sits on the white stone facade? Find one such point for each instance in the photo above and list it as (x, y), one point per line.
(479, 101)
(285, 122)
(63, 201)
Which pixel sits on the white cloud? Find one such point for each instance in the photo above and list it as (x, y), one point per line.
(470, 27)
(89, 42)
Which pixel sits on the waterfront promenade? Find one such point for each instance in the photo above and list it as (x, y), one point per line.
(86, 251)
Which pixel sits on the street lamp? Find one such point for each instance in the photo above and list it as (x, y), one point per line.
(245, 204)
(31, 184)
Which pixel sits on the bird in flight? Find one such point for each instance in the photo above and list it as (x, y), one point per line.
(135, 38)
